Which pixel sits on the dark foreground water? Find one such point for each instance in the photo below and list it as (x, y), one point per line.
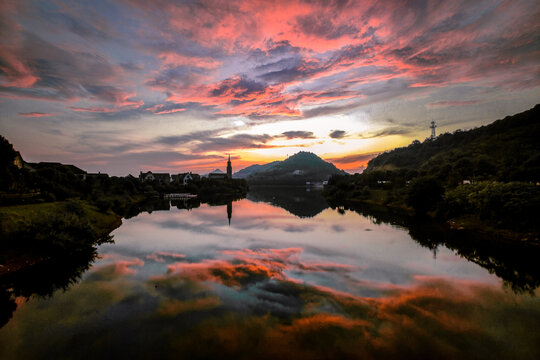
(277, 275)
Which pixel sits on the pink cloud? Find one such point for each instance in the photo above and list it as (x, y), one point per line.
(35, 114)
(174, 59)
(161, 256)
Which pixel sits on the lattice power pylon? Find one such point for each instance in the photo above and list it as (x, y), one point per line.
(432, 127)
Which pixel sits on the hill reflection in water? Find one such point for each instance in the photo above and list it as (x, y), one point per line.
(300, 201)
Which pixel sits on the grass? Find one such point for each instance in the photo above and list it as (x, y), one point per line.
(17, 217)
(32, 234)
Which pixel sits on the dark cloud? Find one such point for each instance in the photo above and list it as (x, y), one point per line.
(239, 141)
(176, 78)
(337, 134)
(450, 103)
(239, 87)
(197, 136)
(131, 66)
(400, 130)
(349, 159)
(330, 109)
(298, 135)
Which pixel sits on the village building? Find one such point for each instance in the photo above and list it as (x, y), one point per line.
(184, 178)
(98, 175)
(163, 178)
(217, 175)
(220, 175)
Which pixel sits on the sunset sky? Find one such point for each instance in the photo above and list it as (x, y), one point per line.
(129, 85)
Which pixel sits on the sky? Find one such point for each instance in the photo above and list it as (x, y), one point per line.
(134, 85)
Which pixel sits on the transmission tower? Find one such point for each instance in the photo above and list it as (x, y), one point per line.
(432, 127)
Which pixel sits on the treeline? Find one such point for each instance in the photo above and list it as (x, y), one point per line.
(506, 150)
(47, 182)
(488, 174)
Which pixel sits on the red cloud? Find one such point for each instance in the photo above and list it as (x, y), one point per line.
(173, 59)
(34, 114)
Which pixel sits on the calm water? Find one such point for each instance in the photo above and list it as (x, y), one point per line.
(276, 276)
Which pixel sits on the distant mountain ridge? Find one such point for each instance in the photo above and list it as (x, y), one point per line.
(253, 169)
(295, 170)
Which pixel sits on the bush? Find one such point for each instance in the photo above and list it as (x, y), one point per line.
(514, 205)
(103, 205)
(63, 233)
(424, 194)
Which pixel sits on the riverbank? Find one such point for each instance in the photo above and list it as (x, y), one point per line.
(32, 234)
(21, 248)
(472, 224)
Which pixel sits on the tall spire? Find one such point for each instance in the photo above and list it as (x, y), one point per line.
(229, 168)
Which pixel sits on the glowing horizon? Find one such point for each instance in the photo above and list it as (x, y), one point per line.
(121, 87)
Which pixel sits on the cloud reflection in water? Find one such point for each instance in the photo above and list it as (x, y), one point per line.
(254, 290)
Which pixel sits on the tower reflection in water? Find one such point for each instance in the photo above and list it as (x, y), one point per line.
(229, 211)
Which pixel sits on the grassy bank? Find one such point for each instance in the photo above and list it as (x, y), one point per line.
(15, 218)
(34, 233)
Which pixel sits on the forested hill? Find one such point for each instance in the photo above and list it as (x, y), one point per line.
(506, 150)
(295, 170)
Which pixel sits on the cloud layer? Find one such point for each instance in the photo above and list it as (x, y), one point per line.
(264, 61)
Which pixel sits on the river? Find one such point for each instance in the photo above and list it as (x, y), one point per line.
(278, 275)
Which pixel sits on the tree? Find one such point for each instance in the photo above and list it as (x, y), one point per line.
(424, 194)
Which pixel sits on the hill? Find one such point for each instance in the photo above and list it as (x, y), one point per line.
(505, 150)
(250, 170)
(481, 178)
(295, 170)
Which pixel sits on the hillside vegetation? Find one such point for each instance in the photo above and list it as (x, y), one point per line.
(295, 170)
(506, 150)
(487, 176)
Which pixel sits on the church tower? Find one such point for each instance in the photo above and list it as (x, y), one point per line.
(229, 168)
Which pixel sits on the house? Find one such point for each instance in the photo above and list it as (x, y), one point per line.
(163, 178)
(98, 175)
(81, 174)
(184, 178)
(217, 175)
(147, 176)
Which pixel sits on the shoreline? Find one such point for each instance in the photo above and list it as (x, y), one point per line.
(467, 224)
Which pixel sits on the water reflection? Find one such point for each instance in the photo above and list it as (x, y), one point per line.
(515, 263)
(42, 280)
(296, 200)
(196, 283)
